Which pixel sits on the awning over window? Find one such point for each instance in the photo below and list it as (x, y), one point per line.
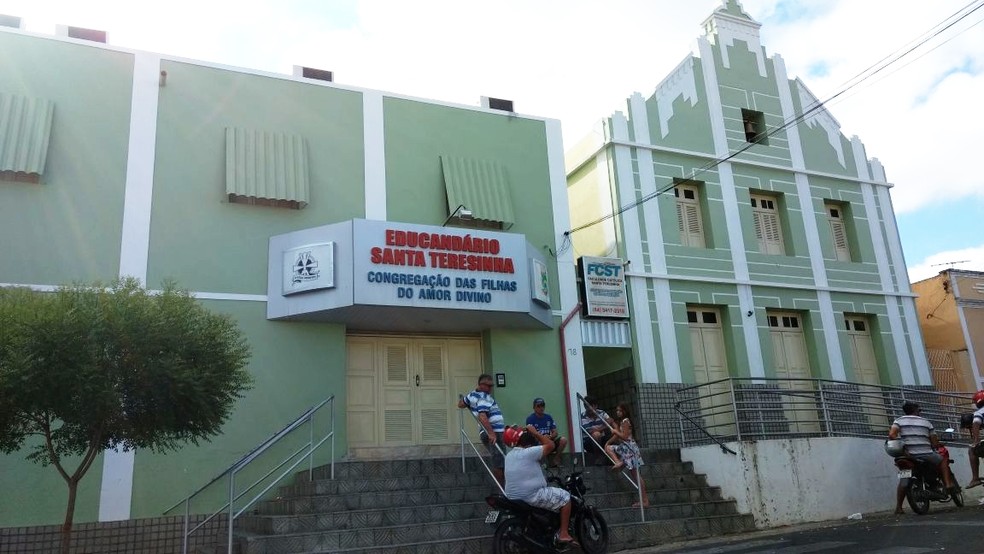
(25, 128)
(264, 166)
(479, 185)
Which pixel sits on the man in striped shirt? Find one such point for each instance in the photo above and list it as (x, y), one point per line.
(490, 423)
(916, 432)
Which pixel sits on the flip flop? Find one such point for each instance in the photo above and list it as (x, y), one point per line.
(899, 512)
(567, 543)
(972, 484)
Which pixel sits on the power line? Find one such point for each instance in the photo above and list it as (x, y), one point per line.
(808, 111)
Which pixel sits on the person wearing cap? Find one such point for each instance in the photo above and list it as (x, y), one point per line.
(525, 480)
(545, 426)
(596, 423)
(917, 434)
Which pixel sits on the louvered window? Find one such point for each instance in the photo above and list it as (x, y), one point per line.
(838, 231)
(688, 215)
(267, 169)
(25, 129)
(768, 228)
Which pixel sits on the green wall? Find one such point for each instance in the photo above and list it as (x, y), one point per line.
(197, 236)
(69, 224)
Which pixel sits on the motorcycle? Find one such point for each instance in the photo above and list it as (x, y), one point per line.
(925, 482)
(524, 528)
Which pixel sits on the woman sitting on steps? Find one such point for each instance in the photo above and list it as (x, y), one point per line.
(624, 450)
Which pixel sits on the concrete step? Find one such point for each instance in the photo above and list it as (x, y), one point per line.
(623, 536)
(430, 466)
(431, 506)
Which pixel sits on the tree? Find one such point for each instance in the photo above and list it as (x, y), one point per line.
(87, 368)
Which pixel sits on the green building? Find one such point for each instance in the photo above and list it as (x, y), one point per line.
(381, 249)
(757, 241)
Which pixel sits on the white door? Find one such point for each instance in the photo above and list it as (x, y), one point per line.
(792, 362)
(710, 365)
(866, 370)
(401, 390)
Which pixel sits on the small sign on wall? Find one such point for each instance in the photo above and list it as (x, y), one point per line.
(540, 282)
(310, 267)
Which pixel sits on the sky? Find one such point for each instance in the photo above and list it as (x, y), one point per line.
(579, 60)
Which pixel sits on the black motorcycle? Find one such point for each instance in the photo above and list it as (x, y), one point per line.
(523, 528)
(925, 484)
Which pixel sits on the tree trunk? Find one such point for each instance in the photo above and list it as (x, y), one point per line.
(66, 532)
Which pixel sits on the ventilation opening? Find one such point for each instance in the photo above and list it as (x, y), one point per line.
(271, 202)
(314, 73)
(93, 35)
(753, 123)
(497, 104)
(10, 21)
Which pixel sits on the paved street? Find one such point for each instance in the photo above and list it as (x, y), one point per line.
(944, 529)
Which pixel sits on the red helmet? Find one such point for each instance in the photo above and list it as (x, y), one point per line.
(511, 436)
(979, 398)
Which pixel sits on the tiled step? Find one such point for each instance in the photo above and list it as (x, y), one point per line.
(612, 505)
(431, 466)
(623, 536)
(335, 541)
(432, 506)
(637, 535)
(611, 494)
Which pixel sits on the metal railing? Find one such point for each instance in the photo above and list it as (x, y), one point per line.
(307, 449)
(741, 409)
(637, 484)
(466, 439)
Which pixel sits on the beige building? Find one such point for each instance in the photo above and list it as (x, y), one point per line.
(951, 314)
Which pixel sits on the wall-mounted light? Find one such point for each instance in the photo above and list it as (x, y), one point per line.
(750, 312)
(163, 79)
(462, 212)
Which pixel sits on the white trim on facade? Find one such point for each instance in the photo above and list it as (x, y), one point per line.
(729, 198)
(747, 162)
(566, 273)
(116, 491)
(896, 329)
(654, 236)
(642, 321)
(792, 286)
(828, 320)
(374, 154)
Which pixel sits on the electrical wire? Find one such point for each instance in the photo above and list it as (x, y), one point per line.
(807, 112)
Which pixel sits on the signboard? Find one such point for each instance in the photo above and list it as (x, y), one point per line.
(540, 282)
(310, 267)
(604, 287)
(401, 264)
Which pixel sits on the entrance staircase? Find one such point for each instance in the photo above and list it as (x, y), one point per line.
(431, 506)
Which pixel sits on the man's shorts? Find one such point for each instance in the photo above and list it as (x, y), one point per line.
(931, 457)
(549, 498)
(497, 454)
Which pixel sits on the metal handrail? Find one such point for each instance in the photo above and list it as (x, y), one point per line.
(742, 408)
(307, 449)
(465, 437)
(638, 483)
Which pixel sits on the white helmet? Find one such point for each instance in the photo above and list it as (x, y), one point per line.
(895, 448)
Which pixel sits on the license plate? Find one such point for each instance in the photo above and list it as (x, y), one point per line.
(905, 473)
(492, 516)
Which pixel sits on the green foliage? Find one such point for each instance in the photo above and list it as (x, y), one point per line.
(89, 368)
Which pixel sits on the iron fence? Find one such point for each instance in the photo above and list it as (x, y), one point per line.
(770, 408)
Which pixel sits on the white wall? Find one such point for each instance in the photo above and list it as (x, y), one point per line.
(784, 482)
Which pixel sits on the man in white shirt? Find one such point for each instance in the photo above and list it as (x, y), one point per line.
(976, 449)
(525, 481)
(915, 431)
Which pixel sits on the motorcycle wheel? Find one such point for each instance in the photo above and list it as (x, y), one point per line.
(920, 507)
(592, 532)
(958, 498)
(507, 538)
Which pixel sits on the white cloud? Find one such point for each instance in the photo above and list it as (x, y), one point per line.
(971, 259)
